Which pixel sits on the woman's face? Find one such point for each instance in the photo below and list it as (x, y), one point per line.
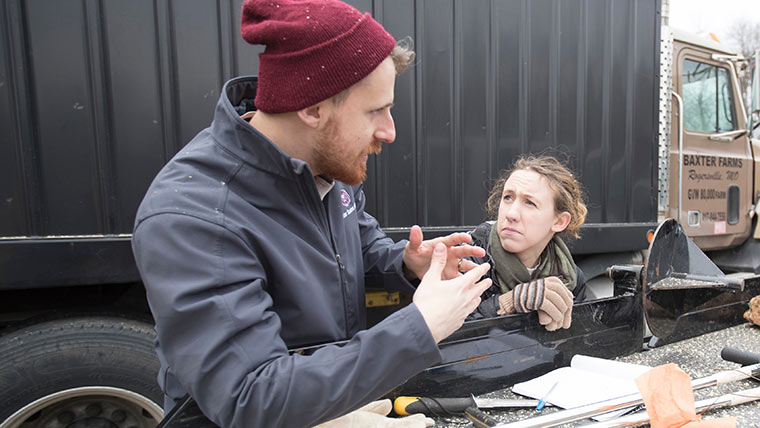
(527, 219)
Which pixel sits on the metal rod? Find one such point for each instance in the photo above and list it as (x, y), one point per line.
(727, 400)
(630, 400)
(680, 156)
(728, 282)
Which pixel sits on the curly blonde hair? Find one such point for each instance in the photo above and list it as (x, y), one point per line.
(568, 195)
(403, 54)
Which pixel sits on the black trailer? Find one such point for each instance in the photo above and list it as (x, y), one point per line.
(95, 96)
(679, 291)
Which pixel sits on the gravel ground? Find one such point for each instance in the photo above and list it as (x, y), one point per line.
(698, 357)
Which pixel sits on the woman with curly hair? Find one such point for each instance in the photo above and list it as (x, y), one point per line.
(534, 203)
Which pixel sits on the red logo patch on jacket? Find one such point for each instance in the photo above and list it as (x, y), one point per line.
(344, 198)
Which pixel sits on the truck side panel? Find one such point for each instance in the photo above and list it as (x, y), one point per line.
(98, 95)
(496, 79)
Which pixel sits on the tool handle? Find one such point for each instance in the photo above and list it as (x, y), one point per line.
(431, 406)
(738, 356)
(479, 419)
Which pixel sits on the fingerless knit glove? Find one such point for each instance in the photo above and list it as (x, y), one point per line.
(548, 296)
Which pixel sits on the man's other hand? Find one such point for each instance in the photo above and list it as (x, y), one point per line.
(418, 252)
(373, 415)
(445, 304)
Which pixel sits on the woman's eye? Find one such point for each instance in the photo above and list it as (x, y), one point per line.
(507, 197)
(530, 203)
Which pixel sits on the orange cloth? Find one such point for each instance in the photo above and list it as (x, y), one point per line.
(669, 400)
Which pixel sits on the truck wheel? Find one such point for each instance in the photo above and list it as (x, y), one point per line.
(95, 372)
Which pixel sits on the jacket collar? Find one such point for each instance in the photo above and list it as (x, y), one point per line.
(234, 134)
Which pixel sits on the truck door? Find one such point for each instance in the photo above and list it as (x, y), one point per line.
(711, 149)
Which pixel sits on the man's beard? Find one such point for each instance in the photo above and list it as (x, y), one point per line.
(330, 155)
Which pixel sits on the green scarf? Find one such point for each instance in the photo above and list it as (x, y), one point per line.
(509, 270)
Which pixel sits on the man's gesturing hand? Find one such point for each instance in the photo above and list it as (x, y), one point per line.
(445, 304)
(417, 253)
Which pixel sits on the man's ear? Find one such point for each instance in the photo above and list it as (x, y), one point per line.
(311, 115)
(563, 219)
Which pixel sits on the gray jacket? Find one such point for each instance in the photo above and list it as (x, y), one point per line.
(242, 260)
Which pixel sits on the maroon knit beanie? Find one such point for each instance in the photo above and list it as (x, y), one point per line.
(314, 50)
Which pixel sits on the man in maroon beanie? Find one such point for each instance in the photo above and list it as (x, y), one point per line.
(253, 239)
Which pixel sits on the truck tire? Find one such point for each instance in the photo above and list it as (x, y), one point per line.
(97, 372)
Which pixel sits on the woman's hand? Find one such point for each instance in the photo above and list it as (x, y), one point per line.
(547, 296)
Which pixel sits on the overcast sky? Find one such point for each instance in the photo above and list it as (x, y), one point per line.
(712, 16)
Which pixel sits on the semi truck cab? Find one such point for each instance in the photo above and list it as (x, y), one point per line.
(708, 168)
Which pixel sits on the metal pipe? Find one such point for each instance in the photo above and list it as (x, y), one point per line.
(729, 60)
(630, 400)
(680, 154)
(727, 400)
(727, 136)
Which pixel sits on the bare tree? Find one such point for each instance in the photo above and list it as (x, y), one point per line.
(746, 35)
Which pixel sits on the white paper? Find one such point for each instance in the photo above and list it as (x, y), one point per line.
(587, 380)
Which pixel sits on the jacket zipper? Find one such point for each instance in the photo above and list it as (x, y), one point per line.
(342, 273)
(322, 214)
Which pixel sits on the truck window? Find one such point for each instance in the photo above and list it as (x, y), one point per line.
(707, 98)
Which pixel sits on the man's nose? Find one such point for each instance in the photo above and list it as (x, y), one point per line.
(386, 131)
